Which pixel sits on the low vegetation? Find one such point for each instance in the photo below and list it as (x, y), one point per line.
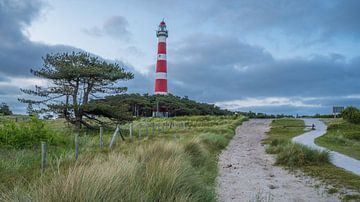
(177, 163)
(312, 162)
(341, 136)
(291, 154)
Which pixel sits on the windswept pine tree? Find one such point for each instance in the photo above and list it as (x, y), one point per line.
(72, 81)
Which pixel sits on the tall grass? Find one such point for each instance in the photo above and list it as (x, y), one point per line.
(151, 168)
(161, 171)
(296, 155)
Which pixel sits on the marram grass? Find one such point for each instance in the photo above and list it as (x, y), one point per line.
(161, 171)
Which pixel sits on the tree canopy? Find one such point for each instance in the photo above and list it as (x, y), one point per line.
(73, 79)
(144, 105)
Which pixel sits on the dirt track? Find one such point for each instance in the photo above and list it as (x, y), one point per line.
(246, 172)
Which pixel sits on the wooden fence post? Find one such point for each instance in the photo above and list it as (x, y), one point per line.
(175, 137)
(153, 129)
(76, 146)
(114, 137)
(101, 138)
(131, 132)
(43, 157)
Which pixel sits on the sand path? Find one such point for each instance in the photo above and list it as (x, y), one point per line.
(246, 172)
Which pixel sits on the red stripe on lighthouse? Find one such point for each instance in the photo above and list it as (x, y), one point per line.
(161, 66)
(162, 48)
(161, 85)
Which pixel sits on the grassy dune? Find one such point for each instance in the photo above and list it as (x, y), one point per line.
(154, 168)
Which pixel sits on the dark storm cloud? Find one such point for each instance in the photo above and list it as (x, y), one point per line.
(310, 18)
(17, 53)
(213, 68)
(115, 26)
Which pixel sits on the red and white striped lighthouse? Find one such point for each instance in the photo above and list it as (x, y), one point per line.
(161, 66)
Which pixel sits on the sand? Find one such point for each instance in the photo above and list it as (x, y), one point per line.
(247, 173)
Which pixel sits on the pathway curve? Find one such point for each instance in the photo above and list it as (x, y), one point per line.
(246, 172)
(338, 159)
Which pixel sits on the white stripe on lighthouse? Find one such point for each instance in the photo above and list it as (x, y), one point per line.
(161, 56)
(161, 75)
(161, 39)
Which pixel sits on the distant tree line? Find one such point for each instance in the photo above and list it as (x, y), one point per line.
(254, 115)
(144, 105)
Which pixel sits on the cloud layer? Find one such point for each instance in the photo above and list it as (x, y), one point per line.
(216, 60)
(115, 26)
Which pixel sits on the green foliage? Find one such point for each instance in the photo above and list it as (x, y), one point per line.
(76, 78)
(26, 134)
(351, 114)
(144, 105)
(5, 110)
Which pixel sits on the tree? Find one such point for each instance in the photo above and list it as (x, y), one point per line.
(144, 105)
(351, 114)
(5, 109)
(30, 109)
(73, 80)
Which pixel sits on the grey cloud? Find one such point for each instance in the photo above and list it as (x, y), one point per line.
(213, 68)
(314, 19)
(17, 53)
(116, 27)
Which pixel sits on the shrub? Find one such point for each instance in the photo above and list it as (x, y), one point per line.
(351, 114)
(26, 134)
(296, 155)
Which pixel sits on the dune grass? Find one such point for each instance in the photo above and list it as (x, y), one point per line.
(157, 172)
(342, 137)
(152, 168)
(311, 162)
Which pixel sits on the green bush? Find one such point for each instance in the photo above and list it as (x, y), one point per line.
(296, 155)
(351, 114)
(26, 134)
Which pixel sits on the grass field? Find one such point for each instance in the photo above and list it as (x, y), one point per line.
(309, 161)
(175, 162)
(342, 137)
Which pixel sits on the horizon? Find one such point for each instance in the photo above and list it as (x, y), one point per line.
(278, 57)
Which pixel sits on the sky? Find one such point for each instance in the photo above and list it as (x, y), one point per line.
(279, 56)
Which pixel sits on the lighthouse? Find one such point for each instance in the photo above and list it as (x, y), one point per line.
(161, 66)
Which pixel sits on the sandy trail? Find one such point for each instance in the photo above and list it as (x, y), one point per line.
(246, 172)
